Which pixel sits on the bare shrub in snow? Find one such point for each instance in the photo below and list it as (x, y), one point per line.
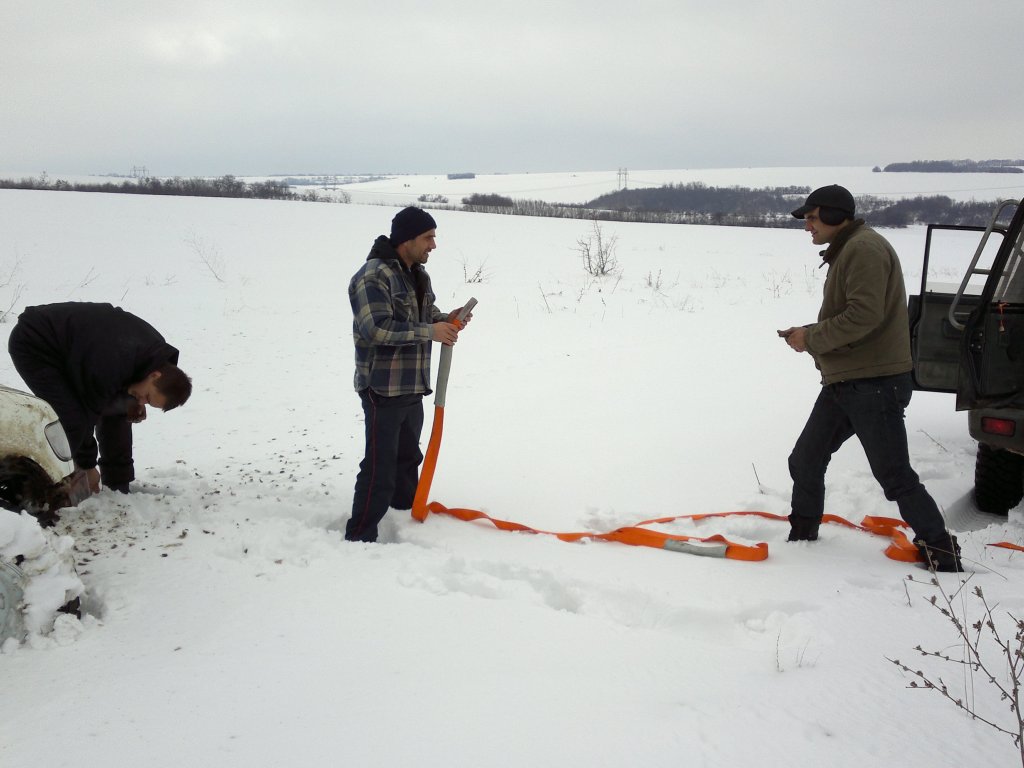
(778, 284)
(653, 281)
(544, 295)
(812, 280)
(440, 199)
(88, 279)
(657, 283)
(989, 651)
(598, 252)
(472, 275)
(10, 289)
(209, 255)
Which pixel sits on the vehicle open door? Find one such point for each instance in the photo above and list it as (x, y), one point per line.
(992, 349)
(991, 382)
(951, 292)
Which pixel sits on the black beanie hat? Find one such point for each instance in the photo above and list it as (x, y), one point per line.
(410, 223)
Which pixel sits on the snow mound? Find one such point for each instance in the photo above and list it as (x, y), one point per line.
(40, 564)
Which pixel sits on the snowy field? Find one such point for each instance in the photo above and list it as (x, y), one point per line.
(586, 186)
(228, 624)
(581, 187)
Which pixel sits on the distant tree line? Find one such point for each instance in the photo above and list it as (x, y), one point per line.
(225, 186)
(698, 198)
(772, 206)
(933, 209)
(329, 180)
(697, 203)
(490, 203)
(478, 200)
(956, 166)
(693, 203)
(743, 213)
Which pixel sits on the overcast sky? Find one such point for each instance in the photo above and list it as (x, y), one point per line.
(201, 87)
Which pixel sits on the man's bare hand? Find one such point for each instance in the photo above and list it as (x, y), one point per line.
(136, 412)
(446, 333)
(454, 314)
(796, 337)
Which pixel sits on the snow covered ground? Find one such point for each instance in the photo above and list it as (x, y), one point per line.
(581, 187)
(585, 186)
(228, 624)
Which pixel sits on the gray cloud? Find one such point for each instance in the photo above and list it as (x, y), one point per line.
(264, 87)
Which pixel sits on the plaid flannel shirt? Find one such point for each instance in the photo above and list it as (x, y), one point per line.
(391, 329)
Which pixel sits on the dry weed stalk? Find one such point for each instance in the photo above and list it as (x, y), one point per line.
(986, 651)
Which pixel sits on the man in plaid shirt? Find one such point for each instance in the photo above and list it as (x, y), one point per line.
(394, 322)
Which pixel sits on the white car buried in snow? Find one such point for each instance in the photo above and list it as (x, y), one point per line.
(38, 477)
(36, 471)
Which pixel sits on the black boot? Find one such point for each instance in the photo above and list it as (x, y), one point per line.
(803, 528)
(941, 554)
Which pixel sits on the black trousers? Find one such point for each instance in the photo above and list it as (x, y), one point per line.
(389, 471)
(114, 439)
(113, 429)
(873, 410)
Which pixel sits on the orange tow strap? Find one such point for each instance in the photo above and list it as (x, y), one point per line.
(1007, 545)
(419, 504)
(900, 547)
(714, 546)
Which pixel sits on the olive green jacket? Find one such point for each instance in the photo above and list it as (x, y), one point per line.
(862, 329)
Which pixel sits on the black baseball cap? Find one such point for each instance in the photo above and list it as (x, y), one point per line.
(832, 196)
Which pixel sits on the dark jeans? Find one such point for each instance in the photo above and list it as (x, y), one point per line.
(872, 409)
(388, 473)
(48, 382)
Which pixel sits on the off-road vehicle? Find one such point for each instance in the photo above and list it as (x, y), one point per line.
(968, 339)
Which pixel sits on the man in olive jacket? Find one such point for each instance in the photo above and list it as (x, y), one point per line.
(861, 345)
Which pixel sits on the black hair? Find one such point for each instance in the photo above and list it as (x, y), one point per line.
(174, 385)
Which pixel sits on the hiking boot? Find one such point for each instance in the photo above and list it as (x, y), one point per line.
(941, 554)
(803, 528)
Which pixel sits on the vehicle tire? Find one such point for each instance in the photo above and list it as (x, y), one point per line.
(24, 485)
(998, 479)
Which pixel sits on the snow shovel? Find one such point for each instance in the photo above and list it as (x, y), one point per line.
(419, 504)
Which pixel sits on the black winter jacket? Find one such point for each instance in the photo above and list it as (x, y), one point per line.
(100, 350)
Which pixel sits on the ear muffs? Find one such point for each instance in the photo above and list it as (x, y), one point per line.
(833, 216)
